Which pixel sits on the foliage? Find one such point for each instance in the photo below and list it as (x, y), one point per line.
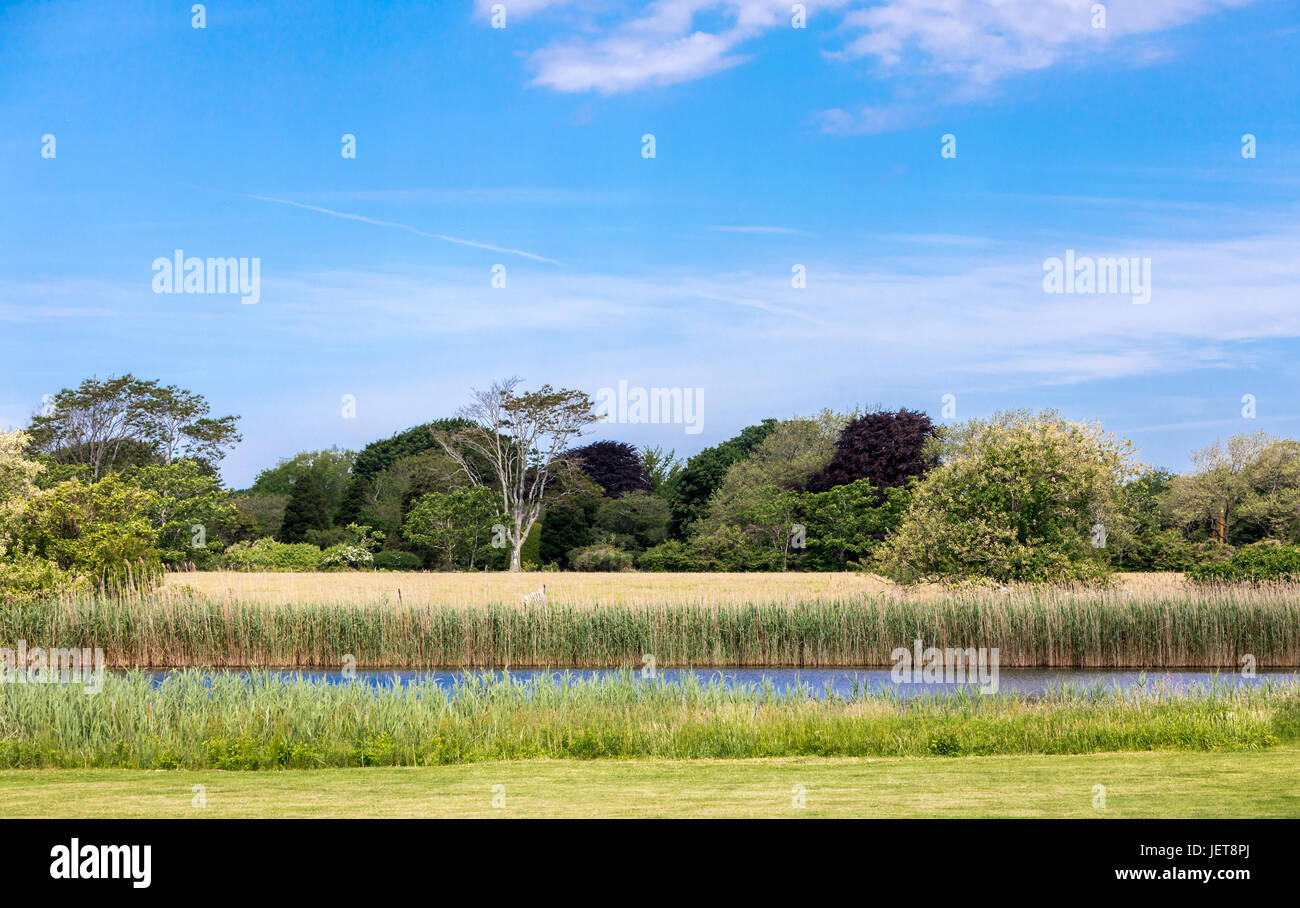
(191, 514)
(887, 449)
(346, 556)
(639, 519)
(661, 470)
(98, 532)
(271, 555)
(785, 459)
(523, 438)
(1254, 563)
(1241, 490)
(614, 465)
(355, 499)
(845, 524)
(394, 560)
(257, 516)
(17, 475)
(569, 520)
(390, 496)
(1019, 497)
(98, 422)
(332, 468)
(601, 557)
(530, 553)
(22, 575)
(729, 548)
(704, 472)
(305, 511)
(379, 456)
(455, 528)
(673, 555)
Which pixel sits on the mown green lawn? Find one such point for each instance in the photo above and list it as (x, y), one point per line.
(1182, 784)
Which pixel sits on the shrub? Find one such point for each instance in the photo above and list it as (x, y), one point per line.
(1254, 563)
(600, 558)
(672, 555)
(269, 555)
(345, 557)
(25, 577)
(398, 561)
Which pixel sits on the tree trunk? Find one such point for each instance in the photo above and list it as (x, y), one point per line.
(515, 567)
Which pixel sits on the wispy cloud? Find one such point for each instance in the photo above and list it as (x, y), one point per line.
(407, 227)
(952, 309)
(927, 53)
(946, 52)
(662, 45)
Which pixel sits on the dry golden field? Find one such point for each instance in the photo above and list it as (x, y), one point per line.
(577, 589)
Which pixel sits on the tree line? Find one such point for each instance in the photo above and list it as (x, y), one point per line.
(117, 480)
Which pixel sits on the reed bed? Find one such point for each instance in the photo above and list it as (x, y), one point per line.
(1099, 628)
(198, 720)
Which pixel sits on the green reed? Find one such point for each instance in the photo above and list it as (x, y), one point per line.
(266, 721)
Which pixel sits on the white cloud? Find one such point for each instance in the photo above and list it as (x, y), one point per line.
(955, 51)
(662, 46)
(927, 52)
(981, 42)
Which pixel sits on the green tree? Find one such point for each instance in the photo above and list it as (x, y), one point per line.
(1241, 490)
(23, 575)
(662, 470)
(569, 518)
(305, 511)
(192, 514)
(785, 459)
(636, 520)
(455, 527)
(107, 425)
(355, 500)
(768, 514)
(98, 532)
(704, 472)
(381, 455)
(332, 468)
(17, 475)
(845, 524)
(1018, 497)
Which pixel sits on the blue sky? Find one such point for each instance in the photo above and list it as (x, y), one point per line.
(775, 146)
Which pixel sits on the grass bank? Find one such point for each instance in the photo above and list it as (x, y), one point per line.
(1030, 626)
(197, 720)
(1245, 784)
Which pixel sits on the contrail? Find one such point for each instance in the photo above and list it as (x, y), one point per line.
(406, 227)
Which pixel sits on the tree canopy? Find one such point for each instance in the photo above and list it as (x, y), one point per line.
(112, 424)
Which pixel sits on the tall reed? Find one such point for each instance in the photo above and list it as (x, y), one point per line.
(1048, 627)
